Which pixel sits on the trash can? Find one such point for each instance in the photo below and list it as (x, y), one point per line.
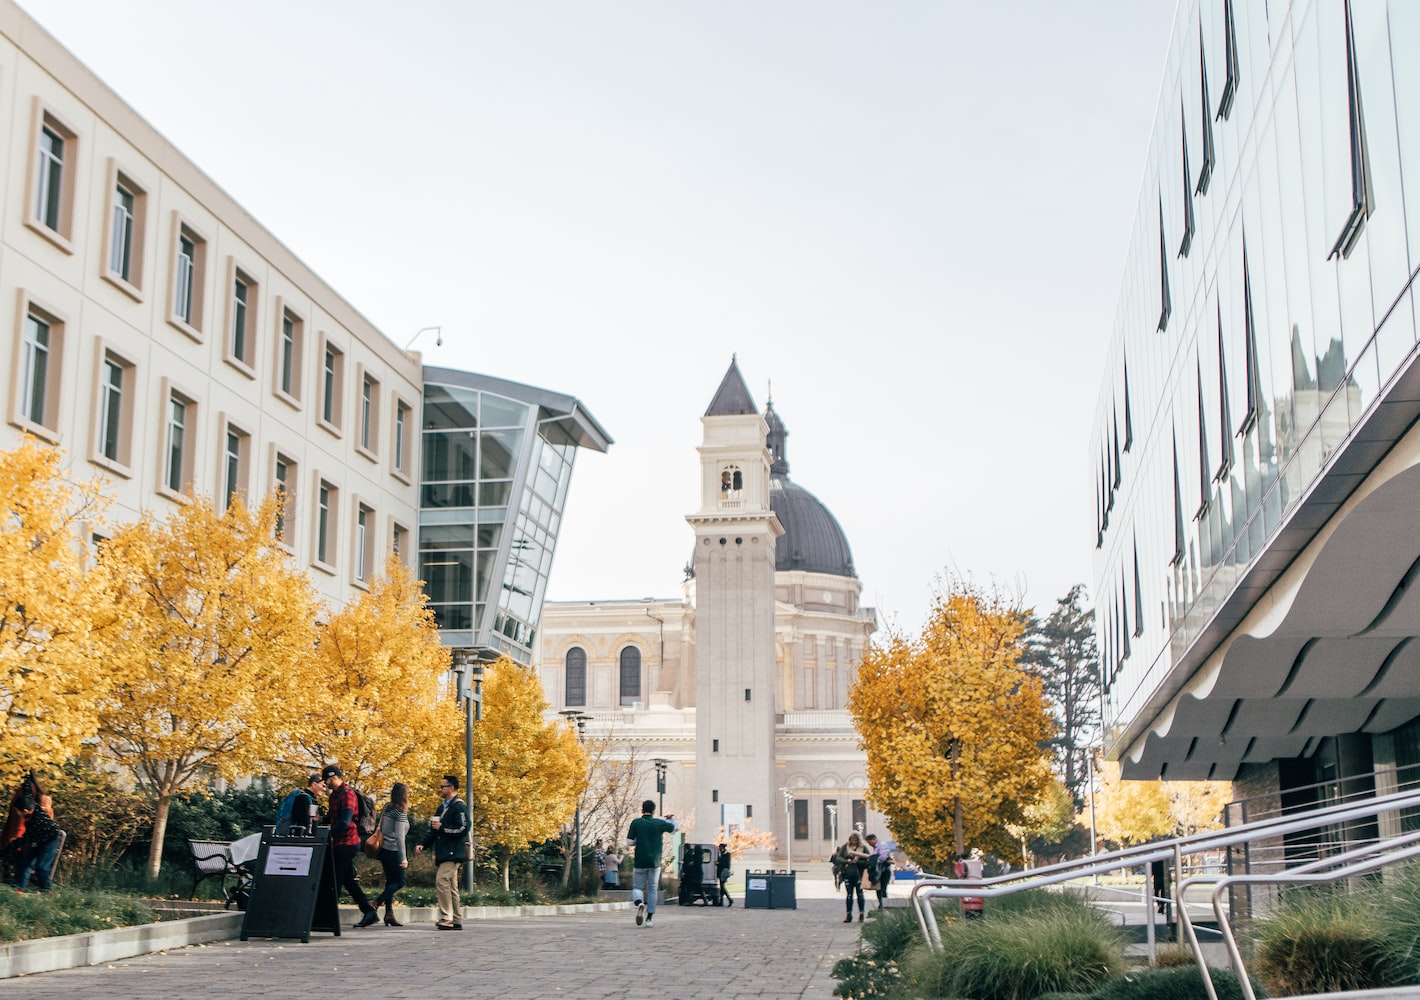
(781, 891)
(757, 889)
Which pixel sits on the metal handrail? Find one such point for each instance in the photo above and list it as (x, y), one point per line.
(1367, 858)
(928, 889)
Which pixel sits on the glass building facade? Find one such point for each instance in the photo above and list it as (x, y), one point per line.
(497, 459)
(1259, 364)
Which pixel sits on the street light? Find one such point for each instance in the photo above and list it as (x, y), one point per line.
(580, 720)
(832, 808)
(469, 685)
(660, 764)
(788, 828)
(438, 336)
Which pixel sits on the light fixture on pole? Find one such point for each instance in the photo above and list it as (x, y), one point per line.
(788, 828)
(832, 808)
(660, 764)
(438, 336)
(469, 684)
(580, 720)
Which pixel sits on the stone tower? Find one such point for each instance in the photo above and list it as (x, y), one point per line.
(735, 535)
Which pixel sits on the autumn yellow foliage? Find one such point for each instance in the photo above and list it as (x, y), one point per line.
(380, 707)
(1129, 811)
(218, 652)
(527, 771)
(56, 611)
(954, 729)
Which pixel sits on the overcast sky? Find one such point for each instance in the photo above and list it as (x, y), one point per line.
(911, 217)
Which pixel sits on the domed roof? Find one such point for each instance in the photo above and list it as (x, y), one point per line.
(812, 540)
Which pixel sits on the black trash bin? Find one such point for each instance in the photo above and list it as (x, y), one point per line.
(781, 891)
(757, 889)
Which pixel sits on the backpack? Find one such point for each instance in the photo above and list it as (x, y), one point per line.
(365, 816)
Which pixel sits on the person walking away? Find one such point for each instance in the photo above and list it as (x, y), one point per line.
(611, 868)
(448, 835)
(394, 828)
(880, 867)
(645, 834)
(341, 813)
(38, 845)
(852, 859)
(722, 873)
(973, 907)
(299, 810)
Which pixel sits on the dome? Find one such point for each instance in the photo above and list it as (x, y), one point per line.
(812, 540)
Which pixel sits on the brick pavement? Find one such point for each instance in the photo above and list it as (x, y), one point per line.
(690, 953)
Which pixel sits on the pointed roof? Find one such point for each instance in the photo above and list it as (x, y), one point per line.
(774, 441)
(732, 399)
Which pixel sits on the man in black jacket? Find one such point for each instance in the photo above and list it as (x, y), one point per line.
(448, 835)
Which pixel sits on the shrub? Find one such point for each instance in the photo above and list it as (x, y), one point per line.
(1397, 909)
(1319, 942)
(1170, 956)
(1177, 983)
(891, 932)
(30, 915)
(865, 976)
(1019, 956)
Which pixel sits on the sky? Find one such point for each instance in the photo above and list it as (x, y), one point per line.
(908, 218)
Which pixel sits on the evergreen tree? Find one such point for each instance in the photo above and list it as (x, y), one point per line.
(1061, 651)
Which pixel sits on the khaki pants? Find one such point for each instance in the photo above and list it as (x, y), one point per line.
(446, 884)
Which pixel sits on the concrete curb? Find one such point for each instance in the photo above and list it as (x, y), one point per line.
(23, 958)
(73, 951)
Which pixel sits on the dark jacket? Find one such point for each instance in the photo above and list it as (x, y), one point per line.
(450, 841)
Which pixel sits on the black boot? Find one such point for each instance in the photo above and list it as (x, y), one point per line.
(372, 916)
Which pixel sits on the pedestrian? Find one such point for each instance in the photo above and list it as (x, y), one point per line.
(300, 809)
(880, 867)
(973, 907)
(611, 868)
(341, 813)
(448, 835)
(645, 833)
(38, 846)
(393, 827)
(599, 859)
(722, 873)
(852, 859)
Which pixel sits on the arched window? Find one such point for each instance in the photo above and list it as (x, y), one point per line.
(575, 685)
(732, 481)
(630, 675)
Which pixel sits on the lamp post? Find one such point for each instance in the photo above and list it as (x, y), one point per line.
(580, 720)
(833, 823)
(438, 336)
(469, 676)
(788, 828)
(660, 764)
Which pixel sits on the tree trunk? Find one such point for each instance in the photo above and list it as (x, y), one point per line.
(507, 863)
(160, 829)
(956, 807)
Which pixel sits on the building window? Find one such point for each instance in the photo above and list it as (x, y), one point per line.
(1128, 411)
(327, 513)
(403, 437)
(399, 541)
(179, 429)
(236, 459)
(115, 410)
(1362, 196)
(1205, 471)
(1138, 596)
(120, 251)
(630, 676)
(331, 387)
(1178, 536)
(189, 275)
(830, 811)
(36, 376)
(289, 355)
(364, 538)
(1254, 372)
(369, 417)
(801, 819)
(56, 159)
(283, 481)
(1205, 169)
(242, 306)
(1230, 62)
(1225, 457)
(714, 746)
(860, 815)
(1165, 299)
(1187, 240)
(575, 670)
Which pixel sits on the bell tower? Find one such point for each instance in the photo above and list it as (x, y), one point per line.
(735, 533)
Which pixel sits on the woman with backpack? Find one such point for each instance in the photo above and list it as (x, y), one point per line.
(393, 827)
(851, 859)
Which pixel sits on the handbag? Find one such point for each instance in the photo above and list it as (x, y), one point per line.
(376, 840)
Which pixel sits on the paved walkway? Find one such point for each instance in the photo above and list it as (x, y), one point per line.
(689, 953)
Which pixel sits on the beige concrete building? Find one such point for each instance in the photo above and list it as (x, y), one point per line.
(740, 683)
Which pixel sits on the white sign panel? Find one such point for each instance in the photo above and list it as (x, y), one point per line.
(734, 814)
(289, 861)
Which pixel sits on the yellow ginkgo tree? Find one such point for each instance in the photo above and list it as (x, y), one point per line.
(955, 731)
(57, 612)
(220, 652)
(383, 703)
(527, 772)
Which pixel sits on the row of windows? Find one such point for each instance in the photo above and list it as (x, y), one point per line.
(51, 214)
(833, 827)
(575, 677)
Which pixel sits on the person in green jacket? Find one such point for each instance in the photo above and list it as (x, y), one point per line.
(645, 835)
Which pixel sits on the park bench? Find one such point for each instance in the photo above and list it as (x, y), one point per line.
(213, 859)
